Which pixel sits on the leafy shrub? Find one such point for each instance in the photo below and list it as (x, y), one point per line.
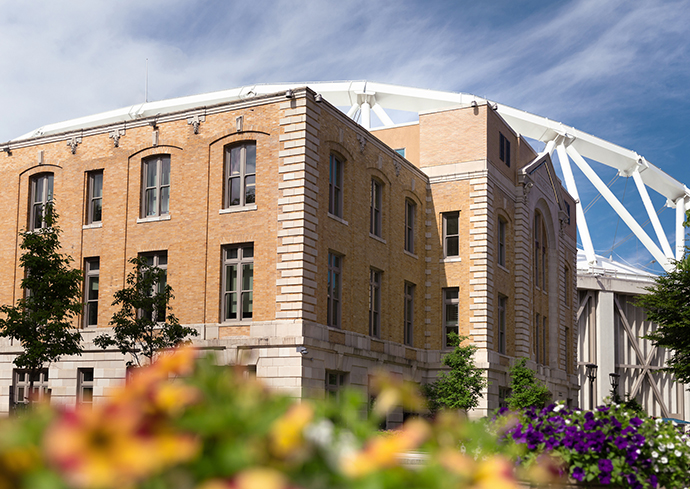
(526, 390)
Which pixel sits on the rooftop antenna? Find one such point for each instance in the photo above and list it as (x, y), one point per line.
(146, 86)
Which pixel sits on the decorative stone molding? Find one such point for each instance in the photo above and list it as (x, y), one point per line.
(73, 143)
(115, 135)
(195, 121)
(362, 142)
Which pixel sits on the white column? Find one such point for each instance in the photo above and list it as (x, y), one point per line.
(680, 229)
(605, 345)
(366, 115)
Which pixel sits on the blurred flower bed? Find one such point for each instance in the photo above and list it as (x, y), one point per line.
(185, 423)
(610, 445)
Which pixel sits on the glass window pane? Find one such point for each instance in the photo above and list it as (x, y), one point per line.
(165, 200)
(38, 189)
(93, 289)
(248, 276)
(96, 210)
(231, 306)
(151, 173)
(49, 190)
(162, 260)
(249, 189)
(234, 196)
(235, 159)
(248, 252)
(251, 158)
(452, 246)
(231, 278)
(165, 171)
(452, 294)
(451, 225)
(232, 253)
(97, 188)
(87, 375)
(87, 394)
(20, 394)
(151, 201)
(247, 299)
(38, 216)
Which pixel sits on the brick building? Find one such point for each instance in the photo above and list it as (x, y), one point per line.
(302, 245)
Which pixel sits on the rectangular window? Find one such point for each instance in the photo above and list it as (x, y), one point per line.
(410, 217)
(240, 174)
(94, 197)
(376, 202)
(21, 386)
(41, 194)
(335, 187)
(504, 149)
(502, 308)
(155, 196)
(503, 395)
(451, 238)
(451, 304)
(91, 272)
(158, 259)
(238, 282)
(501, 242)
(375, 303)
(335, 381)
(334, 286)
(409, 314)
(537, 246)
(85, 386)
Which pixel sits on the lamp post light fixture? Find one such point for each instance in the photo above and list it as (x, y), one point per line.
(614, 378)
(591, 373)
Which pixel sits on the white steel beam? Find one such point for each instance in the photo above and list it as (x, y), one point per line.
(353, 110)
(366, 115)
(651, 212)
(381, 114)
(680, 229)
(582, 228)
(628, 219)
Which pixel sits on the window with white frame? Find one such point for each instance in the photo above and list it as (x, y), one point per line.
(451, 305)
(375, 303)
(94, 196)
(409, 314)
(41, 194)
(155, 187)
(502, 308)
(502, 225)
(335, 186)
(85, 386)
(238, 282)
(451, 236)
(410, 218)
(91, 276)
(240, 174)
(22, 392)
(335, 263)
(375, 209)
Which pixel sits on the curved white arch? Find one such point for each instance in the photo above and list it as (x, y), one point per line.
(363, 97)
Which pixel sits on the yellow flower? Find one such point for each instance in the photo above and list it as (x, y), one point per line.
(112, 446)
(393, 391)
(254, 478)
(382, 451)
(495, 472)
(286, 436)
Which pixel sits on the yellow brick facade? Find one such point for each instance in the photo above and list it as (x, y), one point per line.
(453, 165)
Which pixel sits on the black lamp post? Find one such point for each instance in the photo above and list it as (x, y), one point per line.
(591, 373)
(614, 379)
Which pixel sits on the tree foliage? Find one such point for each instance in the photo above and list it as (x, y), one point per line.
(461, 386)
(145, 323)
(43, 320)
(668, 305)
(526, 390)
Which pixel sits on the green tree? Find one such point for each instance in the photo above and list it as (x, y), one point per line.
(526, 390)
(43, 321)
(668, 305)
(461, 386)
(144, 324)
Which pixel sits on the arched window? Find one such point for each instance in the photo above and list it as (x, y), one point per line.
(240, 174)
(41, 194)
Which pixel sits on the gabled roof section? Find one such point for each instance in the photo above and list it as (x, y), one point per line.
(543, 161)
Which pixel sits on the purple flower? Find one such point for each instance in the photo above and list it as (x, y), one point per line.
(605, 479)
(578, 474)
(636, 421)
(621, 443)
(653, 480)
(606, 466)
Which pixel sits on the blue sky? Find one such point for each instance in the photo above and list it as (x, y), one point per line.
(616, 69)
